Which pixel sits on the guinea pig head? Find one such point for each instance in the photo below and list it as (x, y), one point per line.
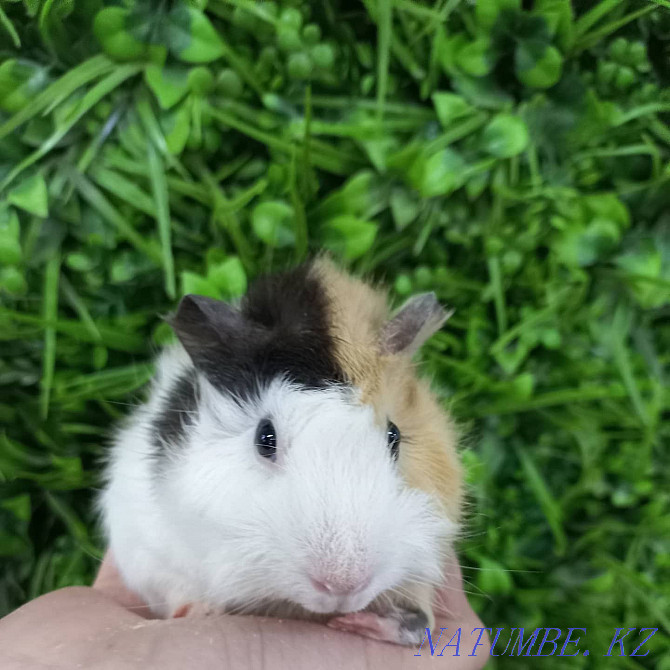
(317, 469)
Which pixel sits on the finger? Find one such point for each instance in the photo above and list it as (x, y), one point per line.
(453, 613)
(450, 598)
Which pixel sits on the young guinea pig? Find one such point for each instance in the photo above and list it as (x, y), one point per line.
(288, 462)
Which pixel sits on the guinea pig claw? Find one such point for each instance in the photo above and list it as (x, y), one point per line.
(400, 627)
(192, 610)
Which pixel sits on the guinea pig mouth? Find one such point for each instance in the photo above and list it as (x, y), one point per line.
(325, 604)
(327, 596)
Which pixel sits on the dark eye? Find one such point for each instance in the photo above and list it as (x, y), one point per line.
(393, 439)
(266, 440)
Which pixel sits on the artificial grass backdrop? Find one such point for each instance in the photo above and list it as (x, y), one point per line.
(512, 158)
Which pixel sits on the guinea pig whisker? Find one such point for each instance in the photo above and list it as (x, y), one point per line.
(472, 567)
(124, 404)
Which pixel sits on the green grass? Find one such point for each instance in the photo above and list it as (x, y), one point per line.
(515, 160)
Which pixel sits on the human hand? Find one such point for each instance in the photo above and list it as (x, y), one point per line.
(108, 626)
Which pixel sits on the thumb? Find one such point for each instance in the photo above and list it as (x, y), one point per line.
(454, 614)
(110, 582)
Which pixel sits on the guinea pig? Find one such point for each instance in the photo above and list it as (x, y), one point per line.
(289, 462)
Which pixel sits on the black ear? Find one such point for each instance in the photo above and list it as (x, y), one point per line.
(413, 324)
(204, 324)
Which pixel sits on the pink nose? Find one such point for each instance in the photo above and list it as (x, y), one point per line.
(338, 586)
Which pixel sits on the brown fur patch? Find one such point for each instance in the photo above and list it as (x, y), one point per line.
(428, 458)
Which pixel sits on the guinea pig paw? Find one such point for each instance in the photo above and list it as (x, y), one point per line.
(403, 627)
(193, 611)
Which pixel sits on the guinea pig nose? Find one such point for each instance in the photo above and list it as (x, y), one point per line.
(337, 586)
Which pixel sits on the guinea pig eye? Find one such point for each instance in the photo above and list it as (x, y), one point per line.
(266, 440)
(393, 439)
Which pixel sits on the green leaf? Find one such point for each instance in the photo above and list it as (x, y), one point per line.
(581, 246)
(299, 66)
(477, 184)
(229, 83)
(608, 206)
(19, 506)
(438, 174)
(176, 126)
(481, 91)
(475, 58)
(191, 37)
(272, 223)
(493, 578)
(537, 65)
(128, 266)
(505, 136)
(450, 107)
(110, 29)
(168, 83)
(378, 149)
(229, 277)
(31, 195)
(358, 196)
(643, 268)
(487, 11)
(19, 83)
(559, 16)
(405, 207)
(12, 280)
(10, 246)
(348, 236)
(200, 80)
(193, 283)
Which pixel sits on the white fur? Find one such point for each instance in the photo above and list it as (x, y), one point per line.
(218, 524)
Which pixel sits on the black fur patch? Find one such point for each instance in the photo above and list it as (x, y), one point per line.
(412, 625)
(413, 621)
(178, 413)
(281, 329)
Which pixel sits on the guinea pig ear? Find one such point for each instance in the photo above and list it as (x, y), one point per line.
(203, 324)
(420, 317)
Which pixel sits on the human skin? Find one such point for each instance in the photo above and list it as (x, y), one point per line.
(107, 627)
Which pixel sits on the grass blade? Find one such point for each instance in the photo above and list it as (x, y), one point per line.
(9, 27)
(620, 329)
(590, 18)
(57, 92)
(113, 338)
(160, 193)
(114, 381)
(124, 189)
(49, 313)
(590, 39)
(551, 508)
(384, 33)
(92, 97)
(98, 201)
(80, 307)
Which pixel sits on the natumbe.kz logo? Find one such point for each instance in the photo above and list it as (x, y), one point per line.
(541, 642)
